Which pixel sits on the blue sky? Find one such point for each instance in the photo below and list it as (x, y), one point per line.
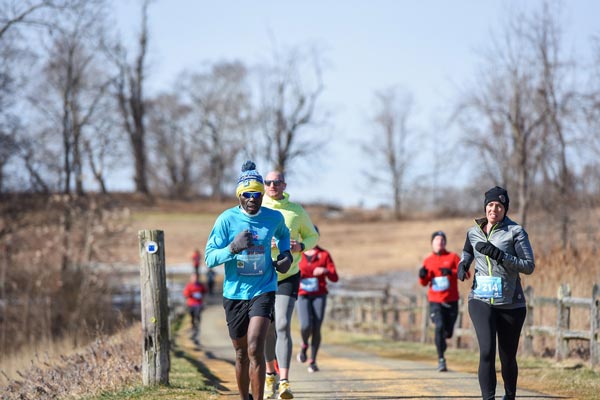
(427, 47)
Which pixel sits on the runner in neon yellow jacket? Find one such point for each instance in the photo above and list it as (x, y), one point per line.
(303, 236)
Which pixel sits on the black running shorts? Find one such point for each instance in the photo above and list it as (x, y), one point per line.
(239, 312)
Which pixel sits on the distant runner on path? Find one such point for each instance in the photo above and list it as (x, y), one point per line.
(196, 257)
(316, 268)
(241, 239)
(501, 250)
(439, 272)
(194, 293)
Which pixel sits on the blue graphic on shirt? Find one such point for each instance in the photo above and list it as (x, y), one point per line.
(251, 262)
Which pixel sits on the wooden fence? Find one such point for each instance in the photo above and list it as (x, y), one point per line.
(405, 316)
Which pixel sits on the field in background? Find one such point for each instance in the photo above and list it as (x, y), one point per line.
(360, 242)
(366, 243)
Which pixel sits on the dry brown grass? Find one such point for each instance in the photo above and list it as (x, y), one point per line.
(106, 364)
(366, 243)
(359, 246)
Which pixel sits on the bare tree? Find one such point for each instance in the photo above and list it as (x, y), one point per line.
(26, 12)
(131, 100)
(290, 90)
(175, 151)
(559, 100)
(592, 104)
(220, 98)
(389, 147)
(102, 146)
(73, 87)
(14, 17)
(502, 116)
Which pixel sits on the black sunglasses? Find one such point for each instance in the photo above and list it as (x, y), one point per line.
(275, 182)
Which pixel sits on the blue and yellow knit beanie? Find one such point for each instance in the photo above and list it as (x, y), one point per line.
(250, 180)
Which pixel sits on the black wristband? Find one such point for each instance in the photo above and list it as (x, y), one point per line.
(302, 246)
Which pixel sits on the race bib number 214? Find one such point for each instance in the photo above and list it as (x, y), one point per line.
(488, 287)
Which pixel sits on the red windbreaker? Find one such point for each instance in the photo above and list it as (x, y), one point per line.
(441, 289)
(194, 293)
(316, 285)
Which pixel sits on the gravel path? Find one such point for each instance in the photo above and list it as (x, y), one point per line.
(345, 373)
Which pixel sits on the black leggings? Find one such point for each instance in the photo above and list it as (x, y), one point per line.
(443, 316)
(506, 323)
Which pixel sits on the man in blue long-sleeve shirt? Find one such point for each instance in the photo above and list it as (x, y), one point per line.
(241, 240)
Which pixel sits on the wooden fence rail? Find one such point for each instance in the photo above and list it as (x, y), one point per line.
(396, 315)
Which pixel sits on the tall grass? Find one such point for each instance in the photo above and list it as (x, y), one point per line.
(108, 363)
(47, 289)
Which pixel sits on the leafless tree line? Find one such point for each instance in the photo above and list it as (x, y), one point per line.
(74, 106)
(87, 111)
(529, 122)
(528, 117)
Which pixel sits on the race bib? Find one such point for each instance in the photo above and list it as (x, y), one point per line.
(440, 283)
(488, 287)
(197, 295)
(309, 284)
(251, 264)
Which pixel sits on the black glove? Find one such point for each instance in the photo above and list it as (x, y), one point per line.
(490, 250)
(242, 241)
(446, 271)
(423, 272)
(463, 270)
(284, 262)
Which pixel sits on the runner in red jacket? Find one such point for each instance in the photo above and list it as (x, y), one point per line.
(316, 267)
(194, 292)
(439, 271)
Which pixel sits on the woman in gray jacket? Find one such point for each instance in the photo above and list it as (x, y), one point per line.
(501, 251)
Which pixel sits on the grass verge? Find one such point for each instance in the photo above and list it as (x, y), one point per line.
(188, 378)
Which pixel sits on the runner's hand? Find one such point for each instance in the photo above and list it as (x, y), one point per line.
(242, 241)
(446, 271)
(490, 250)
(463, 271)
(423, 272)
(284, 262)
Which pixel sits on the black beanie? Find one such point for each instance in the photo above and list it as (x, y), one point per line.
(497, 194)
(438, 233)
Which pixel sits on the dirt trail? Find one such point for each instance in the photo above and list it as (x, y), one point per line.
(345, 373)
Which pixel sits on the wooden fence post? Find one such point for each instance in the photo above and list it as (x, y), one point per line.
(155, 310)
(595, 334)
(528, 336)
(563, 320)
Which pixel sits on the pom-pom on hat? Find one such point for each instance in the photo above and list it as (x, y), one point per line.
(250, 180)
(496, 194)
